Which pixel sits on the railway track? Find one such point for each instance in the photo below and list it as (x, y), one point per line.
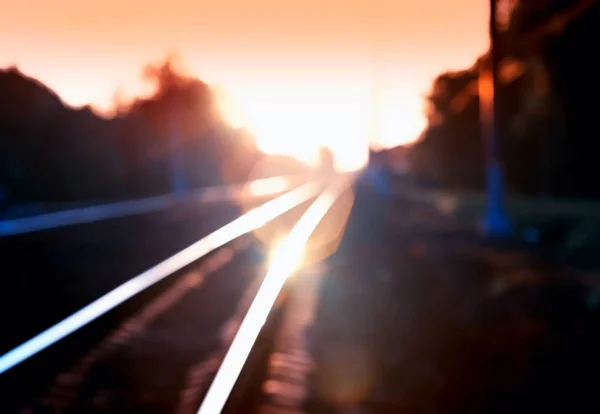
(162, 358)
(161, 351)
(384, 317)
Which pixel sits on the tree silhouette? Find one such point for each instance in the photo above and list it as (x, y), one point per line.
(50, 152)
(541, 104)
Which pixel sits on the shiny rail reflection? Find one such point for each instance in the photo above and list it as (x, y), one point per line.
(242, 225)
(287, 257)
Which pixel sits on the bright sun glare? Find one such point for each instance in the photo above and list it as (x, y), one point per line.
(300, 125)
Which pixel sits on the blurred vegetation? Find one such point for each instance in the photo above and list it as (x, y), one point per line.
(52, 153)
(548, 130)
(548, 124)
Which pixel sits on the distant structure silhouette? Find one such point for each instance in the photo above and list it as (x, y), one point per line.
(326, 160)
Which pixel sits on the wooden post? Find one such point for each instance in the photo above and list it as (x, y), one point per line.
(178, 184)
(496, 222)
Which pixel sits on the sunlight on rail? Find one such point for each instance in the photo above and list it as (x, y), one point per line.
(283, 250)
(242, 225)
(91, 214)
(268, 186)
(286, 259)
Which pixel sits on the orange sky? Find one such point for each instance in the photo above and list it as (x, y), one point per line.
(307, 55)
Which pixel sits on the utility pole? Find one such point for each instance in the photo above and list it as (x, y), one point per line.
(178, 184)
(496, 223)
(376, 170)
(378, 32)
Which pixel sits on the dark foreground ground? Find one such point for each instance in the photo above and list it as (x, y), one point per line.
(158, 351)
(412, 313)
(47, 275)
(418, 315)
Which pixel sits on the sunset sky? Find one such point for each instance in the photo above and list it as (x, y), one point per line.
(304, 62)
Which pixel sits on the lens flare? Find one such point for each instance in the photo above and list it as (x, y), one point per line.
(301, 124)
